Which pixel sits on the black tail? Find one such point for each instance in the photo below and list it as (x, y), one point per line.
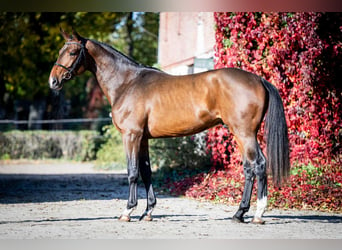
(276, 136)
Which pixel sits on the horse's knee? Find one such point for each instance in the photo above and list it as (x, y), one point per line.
(132, 179)
(133, 175)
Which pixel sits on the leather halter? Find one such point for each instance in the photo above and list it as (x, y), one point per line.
(70, 70)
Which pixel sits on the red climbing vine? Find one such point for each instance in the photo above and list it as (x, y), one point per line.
(300, 53)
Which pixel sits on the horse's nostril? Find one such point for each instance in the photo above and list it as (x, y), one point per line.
(53, 82)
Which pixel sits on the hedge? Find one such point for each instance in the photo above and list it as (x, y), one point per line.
(167, 153)
(72, 145)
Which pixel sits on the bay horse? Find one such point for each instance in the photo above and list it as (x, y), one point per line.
(148, 103)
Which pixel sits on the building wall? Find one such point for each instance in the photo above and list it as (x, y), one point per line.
(184, 37)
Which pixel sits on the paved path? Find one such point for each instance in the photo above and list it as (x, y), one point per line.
(73, 201)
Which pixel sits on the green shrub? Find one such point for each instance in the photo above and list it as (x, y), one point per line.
(111, 154)
(179, 152)
(73, 145)
(5, 157)
(183, 152)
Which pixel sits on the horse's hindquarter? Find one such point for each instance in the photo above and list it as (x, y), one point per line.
(245, 100)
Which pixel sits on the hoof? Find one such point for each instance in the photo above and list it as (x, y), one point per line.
(145, 217)
(125, 218)
(238, 219)
(148, 218)
(258, 221)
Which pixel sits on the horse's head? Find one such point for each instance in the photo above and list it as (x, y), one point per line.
(71, 60)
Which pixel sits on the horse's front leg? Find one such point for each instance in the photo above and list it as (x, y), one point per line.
(131, 143)
(146, 173)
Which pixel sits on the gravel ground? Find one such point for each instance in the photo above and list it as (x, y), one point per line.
(64, 200)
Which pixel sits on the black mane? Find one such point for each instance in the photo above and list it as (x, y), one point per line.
(121, 55)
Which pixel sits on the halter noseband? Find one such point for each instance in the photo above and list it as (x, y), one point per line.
(70, 71)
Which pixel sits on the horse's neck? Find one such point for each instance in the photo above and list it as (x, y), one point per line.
(113, 71)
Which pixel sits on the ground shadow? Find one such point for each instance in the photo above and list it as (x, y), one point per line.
(135, 218)
(27, 188)
(281, 219)
(286, 219)
(59, 220)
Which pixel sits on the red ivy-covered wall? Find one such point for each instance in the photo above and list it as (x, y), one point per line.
(300, 53)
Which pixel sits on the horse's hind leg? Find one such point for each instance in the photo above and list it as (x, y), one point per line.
(254, 164)
(247, 191)
(145, 172)
(260, 171)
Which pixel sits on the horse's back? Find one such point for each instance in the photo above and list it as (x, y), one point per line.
(182, 105)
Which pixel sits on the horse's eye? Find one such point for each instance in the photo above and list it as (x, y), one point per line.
(73, 53)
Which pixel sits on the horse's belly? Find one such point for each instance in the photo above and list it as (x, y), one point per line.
(181, 123)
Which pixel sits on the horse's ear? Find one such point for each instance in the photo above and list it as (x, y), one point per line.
(64, 34)
(76, 35)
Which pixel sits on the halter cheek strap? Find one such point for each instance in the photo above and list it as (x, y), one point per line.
(60, 65)
(70, 71)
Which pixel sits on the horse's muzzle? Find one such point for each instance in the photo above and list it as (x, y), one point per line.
(55, 84)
